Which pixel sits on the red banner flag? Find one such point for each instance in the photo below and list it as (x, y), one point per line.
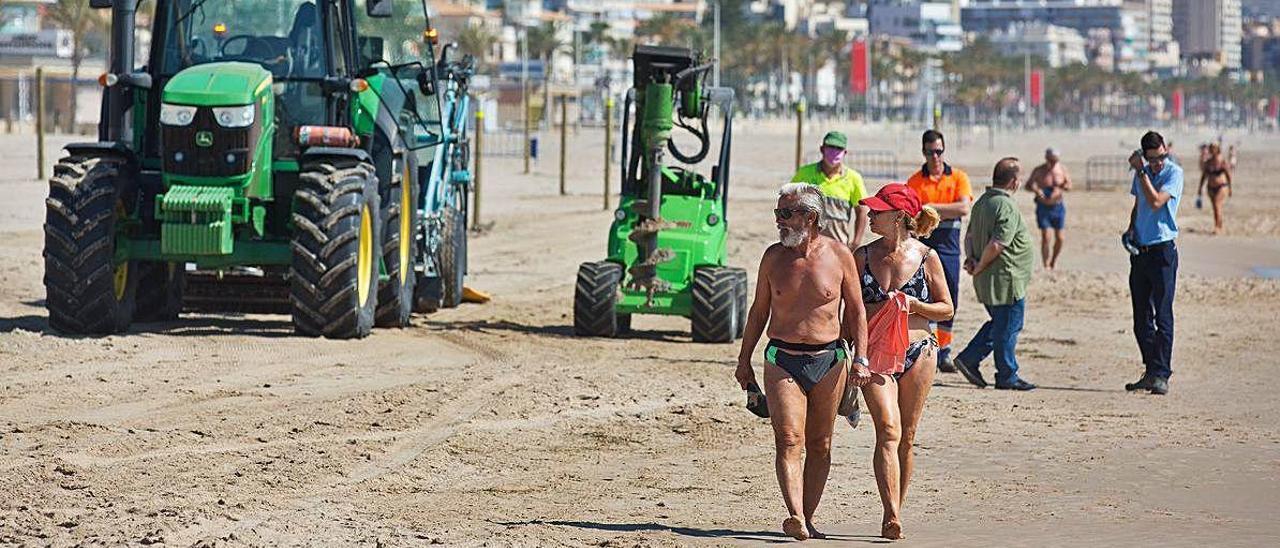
(1273, 107)
(1175, 104)
(1037, 87)
(859, 67)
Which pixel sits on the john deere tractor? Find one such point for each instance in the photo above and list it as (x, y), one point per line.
(299, 156)
(666, 250)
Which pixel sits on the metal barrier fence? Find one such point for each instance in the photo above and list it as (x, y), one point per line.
(505, 142)
(1107, 172)
(875, 165)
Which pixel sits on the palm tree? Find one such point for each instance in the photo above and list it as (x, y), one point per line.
(76, 17)
(476, 41)
(543, 41)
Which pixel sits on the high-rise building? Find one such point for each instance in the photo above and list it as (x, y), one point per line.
(1209, 30)
(927, 24)
(1163, 53)
(1260, 9)
(1128, 22)
(1057, 46)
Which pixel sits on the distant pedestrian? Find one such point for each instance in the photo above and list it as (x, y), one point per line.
(1049, 182)
(999, 256)
(1153, 269)
(946, 189)
(841, 188)
(1215, 172)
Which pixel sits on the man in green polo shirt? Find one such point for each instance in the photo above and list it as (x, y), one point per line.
(841, 188)
(1000, 258)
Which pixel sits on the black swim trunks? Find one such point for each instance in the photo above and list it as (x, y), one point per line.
(807, 369)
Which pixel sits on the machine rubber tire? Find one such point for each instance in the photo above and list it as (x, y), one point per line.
(743, 289)
(453, 257)
(86, 291)
(396, 295)
(160, 287)
(595, 300)
(336, 218)
(715, 305)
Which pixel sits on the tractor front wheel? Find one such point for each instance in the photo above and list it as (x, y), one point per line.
(715, 305)
(595, 301)
(87, 290)
(337, 239)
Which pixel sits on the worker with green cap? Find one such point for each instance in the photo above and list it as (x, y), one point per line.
(841, 188)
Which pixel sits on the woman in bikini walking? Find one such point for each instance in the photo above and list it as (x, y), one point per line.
(896, 401)
(1216, 172)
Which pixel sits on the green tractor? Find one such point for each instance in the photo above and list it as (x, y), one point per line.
(297, 156)
(666, 251)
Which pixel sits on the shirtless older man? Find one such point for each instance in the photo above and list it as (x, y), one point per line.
(805, 282)
(1048, 182)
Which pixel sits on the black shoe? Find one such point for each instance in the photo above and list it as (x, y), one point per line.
(945, 365)
(970, 373)
(1144, 383)
(1159, 386)
(1019, 384)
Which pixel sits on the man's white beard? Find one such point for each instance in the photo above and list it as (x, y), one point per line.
(792, 238)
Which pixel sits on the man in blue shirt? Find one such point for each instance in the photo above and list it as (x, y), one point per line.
(1153, 270)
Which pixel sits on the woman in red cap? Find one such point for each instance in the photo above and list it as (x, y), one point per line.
(896, 399)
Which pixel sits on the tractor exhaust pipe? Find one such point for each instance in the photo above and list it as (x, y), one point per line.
(123, 13)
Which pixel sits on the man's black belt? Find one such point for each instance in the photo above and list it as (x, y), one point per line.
(1154, 247)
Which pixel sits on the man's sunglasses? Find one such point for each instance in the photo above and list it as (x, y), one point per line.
(934, 151)
(786, 212)
(1157, 158)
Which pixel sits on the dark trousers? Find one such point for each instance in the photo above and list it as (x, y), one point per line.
(946, 243)
(998, 336)
(1153, 273)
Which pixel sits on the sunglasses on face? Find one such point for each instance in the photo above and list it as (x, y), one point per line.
(1156, 158)
(785, 213)
(934, 151)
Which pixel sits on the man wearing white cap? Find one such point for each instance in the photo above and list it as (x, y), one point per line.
(1048, 182)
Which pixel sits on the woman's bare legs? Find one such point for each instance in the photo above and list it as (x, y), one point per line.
(1218, 197)
(881, 395)
(913, 388)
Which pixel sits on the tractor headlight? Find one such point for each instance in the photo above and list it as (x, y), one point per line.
(234, 116)
(619, 214)
(176, 115)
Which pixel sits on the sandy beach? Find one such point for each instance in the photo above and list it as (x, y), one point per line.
(492, 425)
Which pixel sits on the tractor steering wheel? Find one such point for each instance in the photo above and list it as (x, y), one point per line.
(260, 51)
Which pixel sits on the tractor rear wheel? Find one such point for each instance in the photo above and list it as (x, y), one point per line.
(333, 279)
(453, 257)
(595, 300)
(160, 287)
(715, 305)
(400, 215)
(87, 290)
